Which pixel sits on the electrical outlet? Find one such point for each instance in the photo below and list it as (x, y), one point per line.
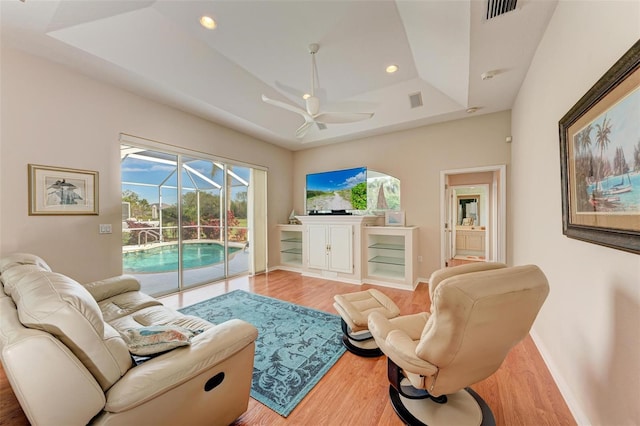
(419, 258)
(105, 228)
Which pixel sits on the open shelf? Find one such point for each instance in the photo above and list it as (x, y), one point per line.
(388, 260)
(389, 257)
(293, 240)
(291, 246)
(387, 246)
(386, 270)
(292, 251)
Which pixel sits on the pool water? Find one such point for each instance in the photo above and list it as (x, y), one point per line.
(165, 258)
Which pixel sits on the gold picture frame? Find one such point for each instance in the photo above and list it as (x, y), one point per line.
(600, 175)
(62, 191)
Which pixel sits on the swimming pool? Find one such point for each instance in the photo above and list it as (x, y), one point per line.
(165, 258)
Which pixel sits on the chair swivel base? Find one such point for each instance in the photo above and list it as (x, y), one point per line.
(464, 407)
(361, 344)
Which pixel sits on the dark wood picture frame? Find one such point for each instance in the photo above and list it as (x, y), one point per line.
(592, 211)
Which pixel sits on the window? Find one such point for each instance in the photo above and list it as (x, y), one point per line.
(187, 218)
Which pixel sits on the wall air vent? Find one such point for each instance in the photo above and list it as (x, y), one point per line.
(499, 7)
(321, 126)
(415, 100)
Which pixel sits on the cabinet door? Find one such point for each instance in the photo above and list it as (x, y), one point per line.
(317, 246)
(475, 241)
(461, 241)
(341, 248)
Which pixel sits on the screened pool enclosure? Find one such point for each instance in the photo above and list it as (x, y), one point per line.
(185, 218)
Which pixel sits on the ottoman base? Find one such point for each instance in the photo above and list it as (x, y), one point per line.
(354, 309)
(361, 344)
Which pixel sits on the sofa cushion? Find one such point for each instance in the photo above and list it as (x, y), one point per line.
(59, 305)
(109, 287)
(156, 339)
(14, 265)
(159, 315)
(11, 276)
(125, 304)
(16, 259)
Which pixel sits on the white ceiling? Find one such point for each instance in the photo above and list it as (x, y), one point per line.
(158, 49)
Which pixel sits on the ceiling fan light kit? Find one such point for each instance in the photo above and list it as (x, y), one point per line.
(312, 113)
(488, 75)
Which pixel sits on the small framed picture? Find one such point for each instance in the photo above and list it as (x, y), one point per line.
(394, 218)
(62, 191)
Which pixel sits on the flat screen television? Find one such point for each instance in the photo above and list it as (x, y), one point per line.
(337, 190)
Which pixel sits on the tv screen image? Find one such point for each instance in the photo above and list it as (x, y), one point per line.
(337, 190)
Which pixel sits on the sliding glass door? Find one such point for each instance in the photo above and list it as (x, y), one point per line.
(173, 242)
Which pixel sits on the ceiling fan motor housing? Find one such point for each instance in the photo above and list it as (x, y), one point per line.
(313, 105)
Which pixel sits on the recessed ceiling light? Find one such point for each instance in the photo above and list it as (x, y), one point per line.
(306, 96)
(208, 22)
(472, 110)
(392, 68)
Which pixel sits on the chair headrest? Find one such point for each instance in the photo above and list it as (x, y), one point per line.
(442, 274)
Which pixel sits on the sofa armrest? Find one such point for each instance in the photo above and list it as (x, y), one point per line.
(109, 287)
(51, 384)
(165, 372)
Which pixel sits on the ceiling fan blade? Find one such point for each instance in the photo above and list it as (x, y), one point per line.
(342, 117)
(288, 107)
(302, 130)
(296, 93)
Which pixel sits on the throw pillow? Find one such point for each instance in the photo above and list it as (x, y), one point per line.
(156, 339)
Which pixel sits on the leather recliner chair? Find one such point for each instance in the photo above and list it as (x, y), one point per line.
(478, 313)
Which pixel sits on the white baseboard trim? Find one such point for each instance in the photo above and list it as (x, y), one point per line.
(565, 390)
(331, 277)
(285, 268)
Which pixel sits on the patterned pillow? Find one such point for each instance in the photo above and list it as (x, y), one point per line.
(156, 339)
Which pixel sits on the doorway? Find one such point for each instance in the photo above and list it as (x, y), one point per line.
(473, 214)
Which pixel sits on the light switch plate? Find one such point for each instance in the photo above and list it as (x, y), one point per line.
(105, 228)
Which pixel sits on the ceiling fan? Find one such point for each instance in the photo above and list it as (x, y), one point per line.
(312, 113)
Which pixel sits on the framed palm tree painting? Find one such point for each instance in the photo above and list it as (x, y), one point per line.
(600, 159)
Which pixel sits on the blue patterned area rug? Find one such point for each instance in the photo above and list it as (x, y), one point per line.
(296, 345)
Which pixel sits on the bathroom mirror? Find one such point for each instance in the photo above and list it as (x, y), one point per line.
(468, 209)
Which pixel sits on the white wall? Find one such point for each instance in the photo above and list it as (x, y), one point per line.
(416, 157)
(54, 116)
(589, 328)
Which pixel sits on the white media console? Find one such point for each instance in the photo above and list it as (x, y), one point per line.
(351, 248)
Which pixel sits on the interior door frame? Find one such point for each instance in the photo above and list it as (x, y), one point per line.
(452, 215)
(498, 206)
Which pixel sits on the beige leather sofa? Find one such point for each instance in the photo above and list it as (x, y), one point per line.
(68, 364)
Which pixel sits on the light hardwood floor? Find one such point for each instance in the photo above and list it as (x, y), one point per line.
(355, 391)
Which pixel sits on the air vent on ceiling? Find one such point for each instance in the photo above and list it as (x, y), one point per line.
(321, 126)
(499, 7)
(416, 100)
